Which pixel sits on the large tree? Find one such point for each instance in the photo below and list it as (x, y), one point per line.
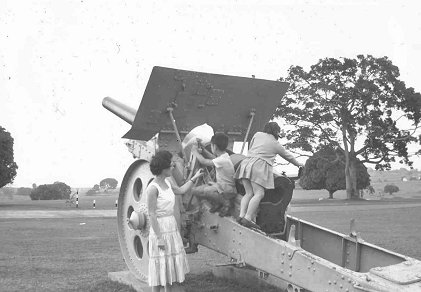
(8, 166)
(324, 170)
(359, 104)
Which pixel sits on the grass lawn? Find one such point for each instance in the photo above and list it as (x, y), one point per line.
(102, 202)
(65, 255)
(396, 229)
(407, 190)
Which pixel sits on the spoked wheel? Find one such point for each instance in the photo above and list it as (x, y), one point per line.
(132, 218)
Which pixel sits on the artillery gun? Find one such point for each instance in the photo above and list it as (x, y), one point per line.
(299, 255)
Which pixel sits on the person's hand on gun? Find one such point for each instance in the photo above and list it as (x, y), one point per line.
(300, 171)
(198, 174)
(196, 146)
(200, 144)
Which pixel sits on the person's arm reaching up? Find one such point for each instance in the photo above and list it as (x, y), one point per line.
(287, 155)
(202, 160)
(187, 186)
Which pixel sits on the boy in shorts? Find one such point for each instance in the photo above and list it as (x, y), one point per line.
(221, 192)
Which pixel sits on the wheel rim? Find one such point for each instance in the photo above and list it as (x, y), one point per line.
(134, 243)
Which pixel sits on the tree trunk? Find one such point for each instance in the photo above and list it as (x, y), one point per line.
(347, 164)
(351, 182)
(331, 194)
(353, 177)
(350, 165)
(347, 178)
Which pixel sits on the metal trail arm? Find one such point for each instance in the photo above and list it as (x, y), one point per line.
(289, 261)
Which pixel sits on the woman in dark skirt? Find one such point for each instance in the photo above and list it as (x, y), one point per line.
(256, 170)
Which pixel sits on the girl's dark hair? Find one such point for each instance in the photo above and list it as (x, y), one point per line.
(160, 161)
(273, 129)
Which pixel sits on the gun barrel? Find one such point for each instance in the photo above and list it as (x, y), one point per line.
(121, 110)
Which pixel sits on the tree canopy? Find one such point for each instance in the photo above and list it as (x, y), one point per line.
(22, 191)
(55, 191)
(108, 183)
(95, 189)
(325, 170)
(7, 192)
(390, 189)
(359, 104)
(8, 166)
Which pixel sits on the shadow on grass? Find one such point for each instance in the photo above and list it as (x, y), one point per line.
(105, 286)
(205, 282)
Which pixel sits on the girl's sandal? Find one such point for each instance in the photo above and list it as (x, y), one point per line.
(249, 224)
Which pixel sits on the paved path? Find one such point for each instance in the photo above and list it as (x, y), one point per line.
(15, 214)
(19, 214)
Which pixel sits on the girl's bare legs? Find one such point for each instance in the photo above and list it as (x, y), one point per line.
(246, 198)
(259, 192)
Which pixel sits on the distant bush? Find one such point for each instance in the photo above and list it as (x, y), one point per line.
(91, 192)
(94, 190)
(7, 192)
(390, 189)
(369, 190)
(23, 191)
(324, 170)
(55, 191)
(108, 184)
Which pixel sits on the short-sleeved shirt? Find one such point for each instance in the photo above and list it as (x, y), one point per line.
(266, 146)
(224, 173)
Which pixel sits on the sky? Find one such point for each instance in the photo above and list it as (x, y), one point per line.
(59, 59)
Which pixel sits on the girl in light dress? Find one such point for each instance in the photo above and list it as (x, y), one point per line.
(167, 258)
(256, 170)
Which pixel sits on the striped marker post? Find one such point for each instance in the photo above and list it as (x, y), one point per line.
(94, 204)
(116, 203)
(77, 201)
